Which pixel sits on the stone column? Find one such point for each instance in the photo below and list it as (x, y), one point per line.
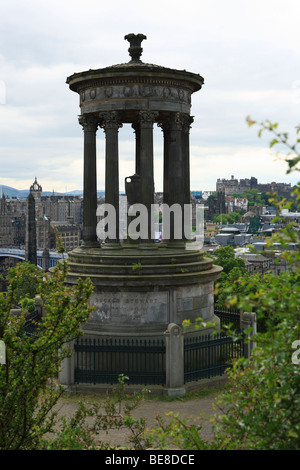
(66, 375)
(174, 361)
(30, 236)
(46, 259)
(137, 132)
(248, 321)
(89, 122)
(165, 129)
(146, 120)
(38, 306)
(110, 122)
(175, 176)
(187, 121)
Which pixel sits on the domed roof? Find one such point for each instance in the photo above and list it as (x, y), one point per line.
(135, 67)
(230, 230)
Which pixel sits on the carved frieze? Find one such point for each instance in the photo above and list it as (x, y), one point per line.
(108, 91)
(135, 91)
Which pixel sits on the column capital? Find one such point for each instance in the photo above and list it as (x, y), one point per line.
(179, 121)
(163, 124)
(135, 126)
(89, 122)
(176, 121)
(147, 118)
(110, 120)
(187, 120)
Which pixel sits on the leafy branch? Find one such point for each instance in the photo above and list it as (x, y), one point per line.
(293, 156)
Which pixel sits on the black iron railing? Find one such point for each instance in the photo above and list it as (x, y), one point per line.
(228, 317)
(31, 324)
(102, 360)
(209, 356)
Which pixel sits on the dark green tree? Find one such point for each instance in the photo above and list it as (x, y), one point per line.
(254, 197)
(25, 281)
(28, 390)
(260, 407)
(231, 218)
(233, 269)
(225, 257)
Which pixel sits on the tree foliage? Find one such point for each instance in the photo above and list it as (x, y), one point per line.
(225, 257)
(254, 197)
(231, 218)
(260, 407)
(28, 391)
(81, 431)
(281, 140)
(233, 269)
(24, 282)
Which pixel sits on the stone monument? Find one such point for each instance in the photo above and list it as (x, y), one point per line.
(30, 236)
(140, 286)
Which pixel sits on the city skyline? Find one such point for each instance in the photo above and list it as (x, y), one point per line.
(6, 190)
(247, 53)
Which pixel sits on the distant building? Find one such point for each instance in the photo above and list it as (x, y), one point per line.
(256, 263)
(62, 211)
(63, 208)
(234, 185)
(206, 194)
(12, 223)
(70, 234)
(216, 205)
(233, 204)
(197, 194)
(43, 236)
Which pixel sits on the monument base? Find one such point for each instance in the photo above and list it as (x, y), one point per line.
(138, 292)
(140, 297)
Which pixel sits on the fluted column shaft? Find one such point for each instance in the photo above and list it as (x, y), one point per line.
(110, 122)
(146, 120)
(89, 123)
(166, 134)
(187, 121)
(176, 168)
(137, 132)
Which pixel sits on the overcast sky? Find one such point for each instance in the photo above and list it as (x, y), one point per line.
(247, 51)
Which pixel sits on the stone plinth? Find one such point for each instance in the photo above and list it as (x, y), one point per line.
(139, 292)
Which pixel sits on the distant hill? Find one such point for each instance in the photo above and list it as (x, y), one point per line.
(23, 193)
(9, 192)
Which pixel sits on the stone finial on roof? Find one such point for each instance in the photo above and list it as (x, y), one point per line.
(135, 50)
